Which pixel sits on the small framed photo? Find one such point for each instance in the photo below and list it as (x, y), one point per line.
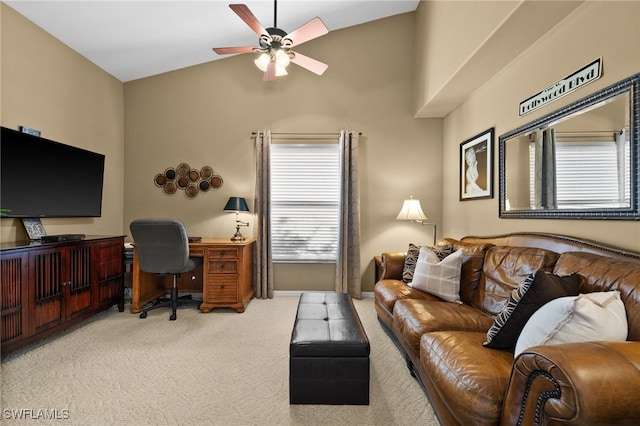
(476, 166)
(34, 228)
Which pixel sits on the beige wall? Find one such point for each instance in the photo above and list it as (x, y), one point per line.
(204, 115)
(610, 30)
(48, 86)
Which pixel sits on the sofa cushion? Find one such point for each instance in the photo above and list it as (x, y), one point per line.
(584, 318)
(412, 318)
(472, 263)
(388, 292)
(440, 277)
(600, 273)
(470, 379)
(525, 299)
(504, 268)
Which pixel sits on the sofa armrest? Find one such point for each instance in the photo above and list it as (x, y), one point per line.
(392, 266)
(575, 384)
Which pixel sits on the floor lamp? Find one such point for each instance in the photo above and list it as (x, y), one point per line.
(411, 210)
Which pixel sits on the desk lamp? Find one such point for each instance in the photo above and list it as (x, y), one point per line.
(411, 210)
(237, 204)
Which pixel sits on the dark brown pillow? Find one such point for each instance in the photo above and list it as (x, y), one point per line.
(528, 297)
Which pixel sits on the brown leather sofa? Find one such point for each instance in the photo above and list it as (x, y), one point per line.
(467, 383)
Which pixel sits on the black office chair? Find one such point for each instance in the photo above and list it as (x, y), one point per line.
(162, 246)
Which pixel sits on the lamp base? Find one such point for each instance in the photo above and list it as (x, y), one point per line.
(238, 235)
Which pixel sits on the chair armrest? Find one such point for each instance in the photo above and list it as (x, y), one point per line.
(575, 384)
(392, 266)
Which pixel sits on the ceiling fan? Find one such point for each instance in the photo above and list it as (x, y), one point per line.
(275, 44)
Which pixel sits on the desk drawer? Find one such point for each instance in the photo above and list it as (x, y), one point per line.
(223, 252)
(226, 266)
(223, 289)
(196, 252)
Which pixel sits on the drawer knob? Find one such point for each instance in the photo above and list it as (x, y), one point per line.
(222, 286)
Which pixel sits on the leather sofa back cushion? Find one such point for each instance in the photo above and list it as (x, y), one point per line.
(602, 273)
(504, 269)
(472, 262)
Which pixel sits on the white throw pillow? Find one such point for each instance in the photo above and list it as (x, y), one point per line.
(440, 278)
(584, 318)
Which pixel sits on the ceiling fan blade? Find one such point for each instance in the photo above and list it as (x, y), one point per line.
(311, 64)
(270, 73)
(312, 29)
(245, 14)
(230, 50)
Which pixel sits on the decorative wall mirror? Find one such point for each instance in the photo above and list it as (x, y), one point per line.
(580, 162)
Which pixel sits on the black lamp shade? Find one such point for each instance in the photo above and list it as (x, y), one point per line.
(236, 204)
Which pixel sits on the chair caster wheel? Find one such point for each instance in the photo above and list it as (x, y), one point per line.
(172, 317)
(143, 315)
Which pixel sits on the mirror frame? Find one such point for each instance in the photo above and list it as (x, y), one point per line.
(631, 85)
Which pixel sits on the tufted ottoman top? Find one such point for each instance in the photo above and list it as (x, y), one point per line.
(327, 325)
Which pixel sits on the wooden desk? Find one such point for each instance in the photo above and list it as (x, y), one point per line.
(225, 279)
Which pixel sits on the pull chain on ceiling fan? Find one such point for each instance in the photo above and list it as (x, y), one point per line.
(275, 44)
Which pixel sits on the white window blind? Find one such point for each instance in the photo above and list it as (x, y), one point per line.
(305, 202)
(587, 174)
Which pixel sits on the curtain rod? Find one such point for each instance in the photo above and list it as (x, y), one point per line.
(303, 134)
(587, 132)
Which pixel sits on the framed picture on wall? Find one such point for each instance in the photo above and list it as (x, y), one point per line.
(476, 166)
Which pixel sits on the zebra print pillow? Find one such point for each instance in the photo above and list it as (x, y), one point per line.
(536, 290)
(410, 261)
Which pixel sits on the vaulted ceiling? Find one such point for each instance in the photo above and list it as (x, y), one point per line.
(137, 39)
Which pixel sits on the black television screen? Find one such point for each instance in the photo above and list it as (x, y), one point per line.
(43, 178)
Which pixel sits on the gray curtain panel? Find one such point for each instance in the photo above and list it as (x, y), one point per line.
(545, 160)
(262, 258)
(348, 262)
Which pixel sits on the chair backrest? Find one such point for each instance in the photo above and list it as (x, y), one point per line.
(162, 245)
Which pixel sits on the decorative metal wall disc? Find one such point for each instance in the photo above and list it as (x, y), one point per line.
(170, 187)
(216, 182)
(190, 180)
(206, 172)
(170, 173)
(160, 180)
(183, 169)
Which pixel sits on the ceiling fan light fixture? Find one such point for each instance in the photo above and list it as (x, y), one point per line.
(282, 58)
(276, 44)
(263, 61)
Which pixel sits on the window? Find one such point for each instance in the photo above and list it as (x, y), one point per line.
(305, 202)
(588, 173)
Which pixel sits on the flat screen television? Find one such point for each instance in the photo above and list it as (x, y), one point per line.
(43, 178)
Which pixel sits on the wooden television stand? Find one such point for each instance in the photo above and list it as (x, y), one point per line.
(48, 287)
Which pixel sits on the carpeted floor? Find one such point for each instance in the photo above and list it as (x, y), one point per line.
(221, 368)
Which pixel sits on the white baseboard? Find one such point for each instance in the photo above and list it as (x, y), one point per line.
(297, 293)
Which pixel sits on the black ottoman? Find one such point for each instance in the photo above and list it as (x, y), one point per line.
(328, 353)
